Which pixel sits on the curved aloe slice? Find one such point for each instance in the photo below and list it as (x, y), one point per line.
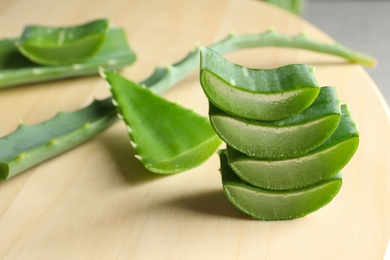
(319, 164)
(62, 45)
(167, 137)
(15, 69)
(281, 139)
(270, 94)
(276, 205)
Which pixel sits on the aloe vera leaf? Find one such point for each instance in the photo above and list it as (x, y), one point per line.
(160, 80)
(286, 138)
(15, 69)
(62, 45)
(162, 77)
(31, 144)
(276, 205)
(314, 167)
(166, 137)
(258, 94)
(293, 6)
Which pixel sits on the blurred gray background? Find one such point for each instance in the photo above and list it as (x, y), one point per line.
(363, 25)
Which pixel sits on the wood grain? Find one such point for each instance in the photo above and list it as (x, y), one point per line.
(98, 202)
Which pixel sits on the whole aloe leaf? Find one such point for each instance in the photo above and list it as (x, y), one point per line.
(15, 69)
(161, 80)
(62, 45)
(293, 6)
(167, 137)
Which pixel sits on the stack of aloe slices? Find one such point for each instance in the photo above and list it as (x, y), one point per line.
(49, 53)
(287, 138)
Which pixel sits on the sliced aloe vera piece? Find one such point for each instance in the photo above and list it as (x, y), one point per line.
(259, 94)
(319, 164)
(286, 138)
(62, 45)
(276, 205)
(15, 69)
(162, 132)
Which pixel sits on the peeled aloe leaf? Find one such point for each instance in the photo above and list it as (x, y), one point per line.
(167, 137)
(318, 165)
(276, 205)
(29, 144)
(15, 69)
(62, 45)
(258, 94)
(286, 138)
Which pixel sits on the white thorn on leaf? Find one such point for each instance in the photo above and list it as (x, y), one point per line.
(133, 144)
(114, 102)
(102, 73)
(76, 66)
(36, 71)
(129, 130)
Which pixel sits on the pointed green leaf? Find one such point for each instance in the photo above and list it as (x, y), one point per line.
(258, 94)
(318, 165)
(276, 205)
(62, 45)
(167, 137)
(286, 138)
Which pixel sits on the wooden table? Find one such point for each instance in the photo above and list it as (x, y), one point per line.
(98, 202)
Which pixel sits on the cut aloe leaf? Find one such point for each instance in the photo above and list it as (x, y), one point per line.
(318, 165)
(276, 205)
(62, 45)
(166, 137)
(31, 143)
(258, 94)
(15, 69)
(286, 138)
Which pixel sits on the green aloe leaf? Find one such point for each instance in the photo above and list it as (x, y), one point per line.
(318, 165)
(286, 138)
(258, 94)
(167, 137)
(30, 144)
(15, 69)
(62, 45)
(276, 205)
(293, 6)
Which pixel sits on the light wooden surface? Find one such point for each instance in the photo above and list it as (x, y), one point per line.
(97, 202)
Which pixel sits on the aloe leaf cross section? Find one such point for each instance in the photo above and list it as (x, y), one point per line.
(265, 204)
(110, 51)
(285, 138)
(62, 45)
(314, 167)
(258, 94)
